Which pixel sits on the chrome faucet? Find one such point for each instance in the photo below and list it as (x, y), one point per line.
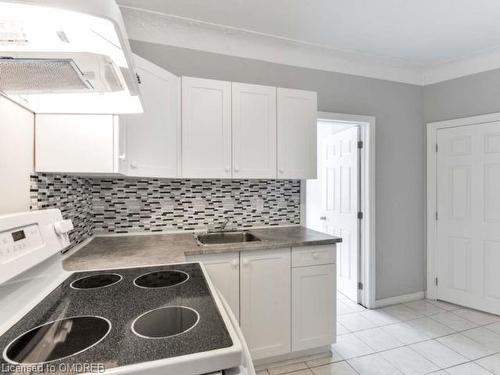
(224, 225)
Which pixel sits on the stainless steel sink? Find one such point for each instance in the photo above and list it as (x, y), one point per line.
(225, 238)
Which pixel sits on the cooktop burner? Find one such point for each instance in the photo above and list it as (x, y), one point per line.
(165, 322)
(57, 340)
(161, 279)
(96, 281)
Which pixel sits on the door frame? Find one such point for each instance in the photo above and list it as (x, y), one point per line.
(431, 251)
(367, 256)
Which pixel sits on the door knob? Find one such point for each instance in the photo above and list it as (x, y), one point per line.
(322, 218)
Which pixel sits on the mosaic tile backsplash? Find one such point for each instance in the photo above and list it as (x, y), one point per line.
(119, 205)
(72, 195)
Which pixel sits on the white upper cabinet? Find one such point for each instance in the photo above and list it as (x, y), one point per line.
(206, 128)
(76, 143)
(297, 122)
(190, 128)
(254, 131)
(152, 140)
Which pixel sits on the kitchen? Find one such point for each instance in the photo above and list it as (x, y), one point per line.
(183, 199)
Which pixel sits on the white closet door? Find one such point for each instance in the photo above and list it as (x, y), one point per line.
(297, 123)
(152, 139)
(206, 128)
(468, 226)
(254, 131)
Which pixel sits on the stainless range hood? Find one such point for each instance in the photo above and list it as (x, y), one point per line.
(66, 56)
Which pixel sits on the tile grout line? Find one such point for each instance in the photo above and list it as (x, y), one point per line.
(455, 331)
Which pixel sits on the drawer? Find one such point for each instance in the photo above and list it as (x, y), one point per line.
(313, 255)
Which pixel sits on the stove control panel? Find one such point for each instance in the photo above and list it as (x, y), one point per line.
(19, 241)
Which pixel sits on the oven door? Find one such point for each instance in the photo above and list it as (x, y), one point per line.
(246, 367)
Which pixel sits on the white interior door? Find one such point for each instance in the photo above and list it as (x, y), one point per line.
(332, 200)
(468, 226)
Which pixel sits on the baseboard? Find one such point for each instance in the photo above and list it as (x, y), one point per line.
(399, 299)
(292, 357)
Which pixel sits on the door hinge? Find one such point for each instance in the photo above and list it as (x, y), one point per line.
(360, 215)
(436, 215)
(437, 147)
(360, 144)
(360, 286)
(436, 281)
(138, 78)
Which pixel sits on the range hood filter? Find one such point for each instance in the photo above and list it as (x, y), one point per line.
(40, 76)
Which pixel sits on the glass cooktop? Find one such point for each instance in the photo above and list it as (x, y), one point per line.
(148, 314)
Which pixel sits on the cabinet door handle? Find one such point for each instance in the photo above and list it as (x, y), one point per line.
(122, 157)
(322, 218)
(236, 169)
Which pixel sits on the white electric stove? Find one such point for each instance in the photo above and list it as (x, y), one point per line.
(165, 319)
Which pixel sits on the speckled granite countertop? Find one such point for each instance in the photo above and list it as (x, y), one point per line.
(155, 249)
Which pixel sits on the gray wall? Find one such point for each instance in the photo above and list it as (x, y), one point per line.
(472, 95)
(398, 109)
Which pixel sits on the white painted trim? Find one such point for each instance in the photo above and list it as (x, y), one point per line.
(432, 129)
(167, 29)
(460, 68)
(368, 252)
(399, 299)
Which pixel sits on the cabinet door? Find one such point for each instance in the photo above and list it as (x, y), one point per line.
(313, 306)
(153, 138)
(206, 128)
(76, 143)
(265, 301)
(297, 123)
(224, 271)
(254, 131)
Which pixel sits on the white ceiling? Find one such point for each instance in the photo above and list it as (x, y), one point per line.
(421, 33)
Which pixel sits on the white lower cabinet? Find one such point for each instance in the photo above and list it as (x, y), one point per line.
(224, 271)
(313, 306)
(285, 298)
(265, 301)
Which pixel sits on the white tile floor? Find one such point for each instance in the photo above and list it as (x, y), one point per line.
(422, 337)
